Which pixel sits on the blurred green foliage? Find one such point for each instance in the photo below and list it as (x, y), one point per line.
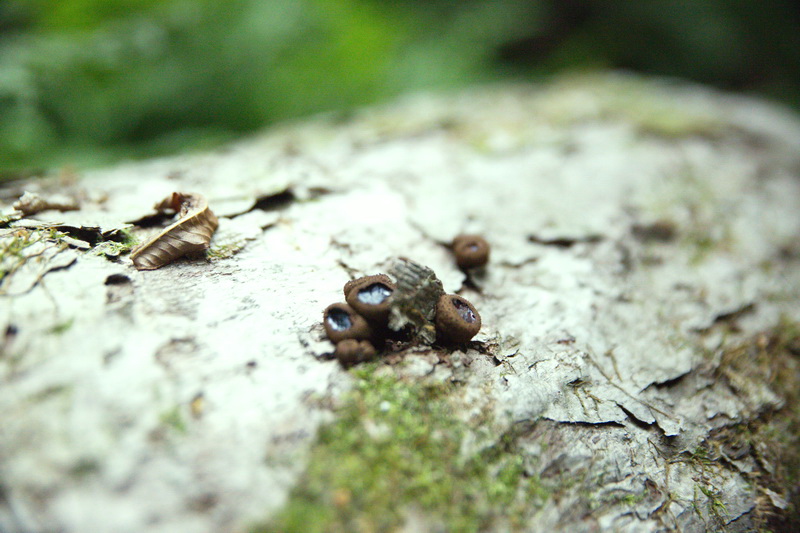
(85, 82)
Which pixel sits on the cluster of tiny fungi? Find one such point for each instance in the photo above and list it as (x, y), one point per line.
(361, 323)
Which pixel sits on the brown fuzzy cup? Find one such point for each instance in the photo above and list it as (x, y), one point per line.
(342, 322)
(471, 251)
(370, 297)
(457, 320)
(351, 351)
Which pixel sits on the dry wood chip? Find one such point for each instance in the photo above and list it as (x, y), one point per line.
(190, 234)
(31, 203)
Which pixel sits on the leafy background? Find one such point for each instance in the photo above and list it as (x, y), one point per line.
(88, 82)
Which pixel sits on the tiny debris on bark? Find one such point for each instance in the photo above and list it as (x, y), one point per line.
(31, 203)
(191, 233)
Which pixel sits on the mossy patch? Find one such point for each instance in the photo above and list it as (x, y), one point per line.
(13, 250)
(671, 122)
(708, 505)
(123, 244)
(656, 114)
(53, 391)
(84, 467)
(703, 241)
(62, 327)
(397, 447)
(651, 108)
(174, 419)
(224, 251)
(772, 439)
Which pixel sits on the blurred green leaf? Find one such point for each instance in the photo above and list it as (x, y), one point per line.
(85, 82)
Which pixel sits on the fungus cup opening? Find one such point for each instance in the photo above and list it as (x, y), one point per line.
(367, 280)
(369, 297)
(339, 320)
(457, 320)
(374, 294)
(342, 322)
(471, 251)
(464, 311)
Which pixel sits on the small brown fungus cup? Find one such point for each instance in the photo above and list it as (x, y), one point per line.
(457, 320)
(471, 251)
(351, 351)
(370, 297)
(383, 278)
(342, 322)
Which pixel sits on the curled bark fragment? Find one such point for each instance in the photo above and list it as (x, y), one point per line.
(414, 299)
(93, 235)
(191, 233)
(31, 203)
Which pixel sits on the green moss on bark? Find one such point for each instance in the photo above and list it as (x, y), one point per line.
(397, 447)
(771, 358)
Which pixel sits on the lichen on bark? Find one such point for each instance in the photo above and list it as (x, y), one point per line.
(635, 369)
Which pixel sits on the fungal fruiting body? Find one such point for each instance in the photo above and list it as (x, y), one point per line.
(342, 322)
(370, 297)
(416, 308)
(457, 320)
(471, 251)
(353, 327)
(383, 278)
(352, 351)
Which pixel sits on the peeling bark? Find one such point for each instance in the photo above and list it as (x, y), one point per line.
(637, 364)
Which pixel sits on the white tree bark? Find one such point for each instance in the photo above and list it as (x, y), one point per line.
(633, 224)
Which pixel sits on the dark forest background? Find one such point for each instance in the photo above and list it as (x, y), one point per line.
(87, 82)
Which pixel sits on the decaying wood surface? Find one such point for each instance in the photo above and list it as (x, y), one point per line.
(644, 250)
